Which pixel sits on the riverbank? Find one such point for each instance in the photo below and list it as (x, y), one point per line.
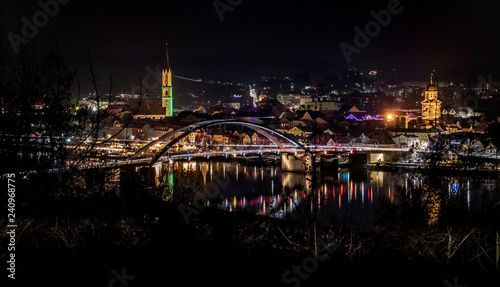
(91, 231)
(87, 244)
(275, 160)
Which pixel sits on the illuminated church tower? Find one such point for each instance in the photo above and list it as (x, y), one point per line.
(431, 106)
(166, 87)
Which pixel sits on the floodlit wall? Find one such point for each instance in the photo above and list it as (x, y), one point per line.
(299, 163)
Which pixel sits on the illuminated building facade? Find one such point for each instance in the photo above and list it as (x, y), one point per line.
(431, 105)
(166, 88)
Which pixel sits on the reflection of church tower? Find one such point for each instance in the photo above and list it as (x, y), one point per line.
(431, 106)
(166, 87)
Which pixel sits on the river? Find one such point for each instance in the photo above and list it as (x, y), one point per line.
(352, 197)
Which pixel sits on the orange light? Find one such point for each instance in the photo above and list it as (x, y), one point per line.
(389, 117)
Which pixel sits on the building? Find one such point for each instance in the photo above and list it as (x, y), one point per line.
(166, 87)
(233, 104)
(408, 121)
(301, 132)
(490, 149)
(403, 140)
(291, 101)
(431, 105)
(323, 105)
(150, 108)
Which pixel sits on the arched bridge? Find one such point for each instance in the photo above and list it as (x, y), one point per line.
(279, 139)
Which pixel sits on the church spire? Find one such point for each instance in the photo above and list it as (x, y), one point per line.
(166, 73)
(166, 87)
(167, 61)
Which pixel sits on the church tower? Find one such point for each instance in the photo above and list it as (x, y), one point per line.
(431, 105)
(166, 87)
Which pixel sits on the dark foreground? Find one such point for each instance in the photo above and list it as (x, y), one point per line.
(150, 244)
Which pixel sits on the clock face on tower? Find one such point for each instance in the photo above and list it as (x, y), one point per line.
(432, 96)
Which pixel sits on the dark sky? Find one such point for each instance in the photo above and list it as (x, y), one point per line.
(459, 39)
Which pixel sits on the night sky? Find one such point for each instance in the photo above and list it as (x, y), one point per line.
(459, 39)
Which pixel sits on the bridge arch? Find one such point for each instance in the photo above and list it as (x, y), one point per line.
(265, 131)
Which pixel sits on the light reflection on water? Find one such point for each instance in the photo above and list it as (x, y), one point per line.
(269, 191)
(344, 195)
